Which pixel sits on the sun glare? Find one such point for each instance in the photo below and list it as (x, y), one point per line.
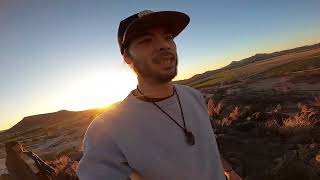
(100, 89)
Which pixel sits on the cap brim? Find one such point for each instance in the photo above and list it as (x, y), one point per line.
(174, 22)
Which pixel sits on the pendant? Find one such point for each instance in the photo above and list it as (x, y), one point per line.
(190, 138)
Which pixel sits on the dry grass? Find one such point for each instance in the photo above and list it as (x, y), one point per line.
(214, 108)
(296, 122)
(227, 121)
(66, 168)
(306, 118)
(224, 122)
(272, 124)
(303, 122)
(316, 101)
(235, 114)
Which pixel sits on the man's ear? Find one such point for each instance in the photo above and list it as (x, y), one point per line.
(127, 57)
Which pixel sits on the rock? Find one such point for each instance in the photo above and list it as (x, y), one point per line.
(260, 116)
(246, 126)
(24, 164)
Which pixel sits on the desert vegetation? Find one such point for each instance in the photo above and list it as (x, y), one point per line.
(270, 145)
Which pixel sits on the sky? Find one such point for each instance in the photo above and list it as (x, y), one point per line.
(63, 54)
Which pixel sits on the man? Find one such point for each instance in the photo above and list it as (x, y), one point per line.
(25, 165)
(161, 130)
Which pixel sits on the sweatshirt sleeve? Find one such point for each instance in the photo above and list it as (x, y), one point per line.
(198, 95)
(102, 158)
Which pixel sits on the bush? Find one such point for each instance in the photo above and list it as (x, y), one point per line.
(214, 108)
(66, 168)
(296, 121)
(235, 114)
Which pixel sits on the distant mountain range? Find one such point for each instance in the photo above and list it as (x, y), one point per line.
(237, 64)
(61, 118)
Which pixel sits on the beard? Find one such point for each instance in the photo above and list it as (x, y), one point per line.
(145, 69)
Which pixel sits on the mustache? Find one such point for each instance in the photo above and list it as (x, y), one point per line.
(163, 54)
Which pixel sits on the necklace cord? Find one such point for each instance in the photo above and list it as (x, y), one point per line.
(174, 90)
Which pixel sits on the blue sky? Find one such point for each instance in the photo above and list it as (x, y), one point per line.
(64, 54)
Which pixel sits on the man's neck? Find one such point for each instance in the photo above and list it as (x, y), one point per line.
(155, 90)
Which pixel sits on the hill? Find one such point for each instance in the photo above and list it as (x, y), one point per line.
(237, 70)
(52, 119)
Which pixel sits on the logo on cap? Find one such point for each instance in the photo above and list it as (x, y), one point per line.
(143, 13)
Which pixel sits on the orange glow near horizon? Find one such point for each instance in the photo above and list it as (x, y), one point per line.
(93, 90)
(100, 89)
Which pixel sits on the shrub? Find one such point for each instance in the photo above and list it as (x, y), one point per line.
(235, 114)
(296, 121)
(66, 168)
(214, 108)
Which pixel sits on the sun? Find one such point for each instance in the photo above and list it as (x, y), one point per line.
(100, 89)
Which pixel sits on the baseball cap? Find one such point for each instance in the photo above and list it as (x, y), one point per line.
(173, 21)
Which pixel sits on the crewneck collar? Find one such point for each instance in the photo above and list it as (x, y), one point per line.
(160, 101)
(150, 99)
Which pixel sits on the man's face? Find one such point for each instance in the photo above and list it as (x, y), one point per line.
(153, 55)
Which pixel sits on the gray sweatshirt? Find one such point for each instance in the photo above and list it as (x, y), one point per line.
(135, 139)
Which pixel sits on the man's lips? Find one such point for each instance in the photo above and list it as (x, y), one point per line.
(166, 61)
(165, 58)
